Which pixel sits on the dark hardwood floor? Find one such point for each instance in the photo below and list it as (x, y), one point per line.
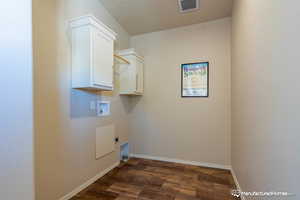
(147, 179)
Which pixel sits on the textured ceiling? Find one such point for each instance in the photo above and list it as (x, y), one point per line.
(143, 16)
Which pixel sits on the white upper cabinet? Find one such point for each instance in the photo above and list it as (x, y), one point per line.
(92, 54)
(131, 75)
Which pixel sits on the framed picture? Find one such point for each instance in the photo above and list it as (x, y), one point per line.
(195, 79)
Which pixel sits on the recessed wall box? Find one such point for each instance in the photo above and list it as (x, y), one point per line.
(103, 108)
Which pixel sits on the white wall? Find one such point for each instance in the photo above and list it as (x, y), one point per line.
(265, 95)
(16, 133)
(65, 126)
(164, 124)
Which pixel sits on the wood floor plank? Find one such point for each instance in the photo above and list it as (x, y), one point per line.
(151, 193)
(125, 190)
(141, 179)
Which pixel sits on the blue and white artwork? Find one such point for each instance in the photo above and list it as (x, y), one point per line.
(195, 79)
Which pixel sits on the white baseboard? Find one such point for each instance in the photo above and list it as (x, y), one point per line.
(202, 164)
(89, 182)
(237, 182)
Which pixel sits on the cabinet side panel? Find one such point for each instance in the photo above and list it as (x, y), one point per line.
(81, 57)
(140, 69)
(102, 65)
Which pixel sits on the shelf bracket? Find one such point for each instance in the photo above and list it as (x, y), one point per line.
(121, 58)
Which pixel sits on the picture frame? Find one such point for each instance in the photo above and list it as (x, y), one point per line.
(195, 80)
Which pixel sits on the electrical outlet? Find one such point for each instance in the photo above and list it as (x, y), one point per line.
(92, 105)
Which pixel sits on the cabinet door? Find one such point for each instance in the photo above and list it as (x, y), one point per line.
(127, 78)
(102, 56)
